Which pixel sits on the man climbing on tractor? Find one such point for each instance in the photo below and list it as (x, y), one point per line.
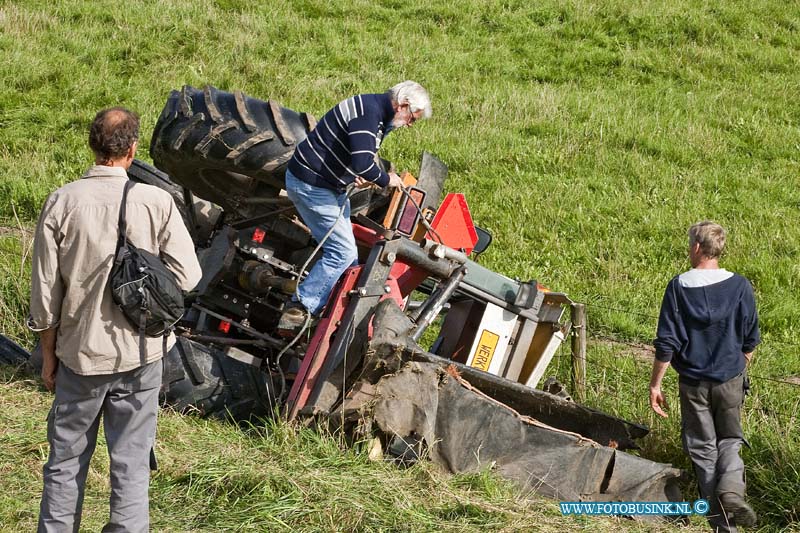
(340, 151)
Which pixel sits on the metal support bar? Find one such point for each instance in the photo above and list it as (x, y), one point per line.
(414, 254)
(188, 199)
(443, 252)
(526, 328)
(428, 312)
(225, 341)
(375, 273)
(355, 322)
(255, 333)
(578, 317)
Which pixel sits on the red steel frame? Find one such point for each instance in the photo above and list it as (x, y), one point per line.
(452, 223)
(318, 347)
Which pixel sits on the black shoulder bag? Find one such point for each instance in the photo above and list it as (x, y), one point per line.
(143, 287)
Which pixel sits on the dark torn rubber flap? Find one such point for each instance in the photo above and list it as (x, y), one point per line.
(465, 430)
(12, 353)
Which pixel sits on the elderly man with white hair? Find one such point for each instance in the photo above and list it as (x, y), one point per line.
(339, 151)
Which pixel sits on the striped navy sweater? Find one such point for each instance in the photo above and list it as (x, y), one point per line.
(344, 143)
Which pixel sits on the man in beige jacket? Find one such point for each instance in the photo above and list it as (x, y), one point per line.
(91, 356)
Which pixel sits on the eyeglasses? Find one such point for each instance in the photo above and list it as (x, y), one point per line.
(411, 118)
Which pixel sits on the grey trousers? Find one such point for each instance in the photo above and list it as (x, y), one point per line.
(128, 403)
(711, 430)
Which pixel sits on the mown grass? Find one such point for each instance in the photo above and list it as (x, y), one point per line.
(587, 137)
(618, 378)
(610, 128)
(15, 250)
(214, 476)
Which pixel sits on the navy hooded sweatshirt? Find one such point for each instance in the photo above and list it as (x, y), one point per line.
(704, 331)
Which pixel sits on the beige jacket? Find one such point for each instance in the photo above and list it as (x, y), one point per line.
(72, 256)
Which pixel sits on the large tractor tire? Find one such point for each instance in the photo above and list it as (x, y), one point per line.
(228, 148)
(233, 150)
(197, 379)
(201, 379)
(201, 221)
(141, 172)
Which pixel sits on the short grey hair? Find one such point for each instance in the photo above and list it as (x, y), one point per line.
(710, 236)
(412, 93)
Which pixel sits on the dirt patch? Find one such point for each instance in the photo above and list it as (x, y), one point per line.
(7, 231)
(641, 351)
(646, 352)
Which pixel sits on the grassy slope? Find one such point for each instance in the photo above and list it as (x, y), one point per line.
(215, 477)
(586, 137)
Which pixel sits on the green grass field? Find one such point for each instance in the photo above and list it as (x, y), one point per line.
(587, 137)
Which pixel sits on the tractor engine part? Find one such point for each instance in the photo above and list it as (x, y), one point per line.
(277, 231)
(259, 278)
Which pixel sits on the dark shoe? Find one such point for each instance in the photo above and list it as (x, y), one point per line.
(734, 505)
(292, 320)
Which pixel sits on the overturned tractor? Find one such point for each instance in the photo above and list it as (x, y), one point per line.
(467, 401)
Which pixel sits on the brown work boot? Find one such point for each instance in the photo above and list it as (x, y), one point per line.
(292, 320)
(734, 505)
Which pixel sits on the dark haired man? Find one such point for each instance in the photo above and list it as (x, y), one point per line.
(91, 355)
(707, 330)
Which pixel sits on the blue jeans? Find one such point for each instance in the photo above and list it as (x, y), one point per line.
(319, 208)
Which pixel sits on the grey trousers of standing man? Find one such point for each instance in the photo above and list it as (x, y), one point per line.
(128, 403)
(712, 434)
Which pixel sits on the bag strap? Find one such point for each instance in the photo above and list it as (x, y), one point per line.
(142, 338)
(122, 224)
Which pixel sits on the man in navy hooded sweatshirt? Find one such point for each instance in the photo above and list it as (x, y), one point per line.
(707, 330)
